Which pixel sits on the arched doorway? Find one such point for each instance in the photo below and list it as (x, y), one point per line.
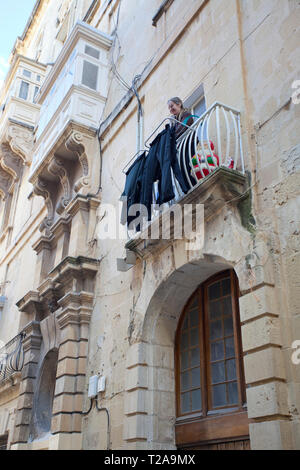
(210, 386)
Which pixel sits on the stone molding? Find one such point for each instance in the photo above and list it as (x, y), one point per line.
(65, 329)
(57, 180)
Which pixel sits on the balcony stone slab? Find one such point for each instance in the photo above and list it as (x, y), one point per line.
(222, 186)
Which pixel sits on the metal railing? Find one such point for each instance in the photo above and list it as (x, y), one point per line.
(213, 140)
(11, 357)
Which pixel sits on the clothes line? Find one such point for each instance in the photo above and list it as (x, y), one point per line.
(145, 144)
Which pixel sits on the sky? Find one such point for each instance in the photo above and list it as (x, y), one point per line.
(13, 18)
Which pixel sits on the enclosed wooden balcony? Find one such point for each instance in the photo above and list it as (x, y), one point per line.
(74, 92)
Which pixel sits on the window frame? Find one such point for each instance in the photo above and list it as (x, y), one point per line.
(206, 393)
(28, 90)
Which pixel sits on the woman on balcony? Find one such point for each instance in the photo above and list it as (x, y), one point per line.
(184, 118)
(181, 114)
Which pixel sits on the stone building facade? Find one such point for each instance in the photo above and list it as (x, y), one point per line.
(81, 297)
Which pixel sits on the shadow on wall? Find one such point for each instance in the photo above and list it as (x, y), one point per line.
(43, 397)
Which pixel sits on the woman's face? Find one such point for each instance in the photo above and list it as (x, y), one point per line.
(174, 108)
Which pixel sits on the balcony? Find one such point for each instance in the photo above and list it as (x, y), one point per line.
(11, 358)
(73, 93)
(210, 156)
(19, 113)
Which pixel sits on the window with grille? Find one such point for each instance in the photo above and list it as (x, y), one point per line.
(209, 370)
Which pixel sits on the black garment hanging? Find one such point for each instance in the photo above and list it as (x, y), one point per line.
(132, 191)
(161, 158)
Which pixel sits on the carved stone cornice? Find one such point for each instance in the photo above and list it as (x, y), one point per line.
(20, 141)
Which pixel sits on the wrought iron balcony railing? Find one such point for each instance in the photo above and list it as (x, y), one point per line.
(11, 357)
(213, 140)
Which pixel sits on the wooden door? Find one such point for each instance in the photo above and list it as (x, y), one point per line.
(210, 385)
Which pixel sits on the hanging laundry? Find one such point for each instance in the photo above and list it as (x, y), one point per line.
(161, 159)
(132, 191)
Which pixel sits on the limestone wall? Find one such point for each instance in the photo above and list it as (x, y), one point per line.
(244, 54)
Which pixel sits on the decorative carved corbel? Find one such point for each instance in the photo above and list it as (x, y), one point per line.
(42, 188)
(10, 162)
(6, 182)
(20, 141)
(56, 168)
(75, 145)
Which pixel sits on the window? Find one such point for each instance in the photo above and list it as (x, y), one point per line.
(36, 90)
(92, 52)
(199, 107)
(90, 75)
(208, 357)
(24, 90)
(38, 78)
(26, 73)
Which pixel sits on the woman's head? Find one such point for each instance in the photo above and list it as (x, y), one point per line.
(175, 105)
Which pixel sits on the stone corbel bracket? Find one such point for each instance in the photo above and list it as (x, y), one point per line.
(56, 168)
(43, 188)
(75, 144)
(10, 169)
(20, 141)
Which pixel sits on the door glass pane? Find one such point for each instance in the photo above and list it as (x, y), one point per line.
(232, 392)
(217, 350)
(222, 376)
(194, 337)
(214, 291)
(184, 360)
(185, 323)
(219, 395)
(194, 318)
(228, 326)
(185, 402)
(216, 330)
(196, 400)
(215, 310)
(195, 357)
(227, 306)
(229, 347)
(231, 369)
(226, 286)
(218, 372)
(184, 341)
(196, 380)
(190, 373)
(185, 382)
